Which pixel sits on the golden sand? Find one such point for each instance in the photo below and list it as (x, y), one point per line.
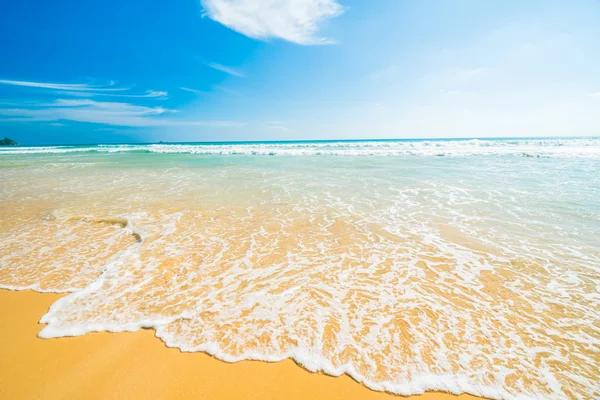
(138, 365)
(446, 282)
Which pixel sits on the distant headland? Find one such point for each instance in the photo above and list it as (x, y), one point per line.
(8, 142)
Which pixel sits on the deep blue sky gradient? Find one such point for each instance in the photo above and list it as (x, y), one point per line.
(410, 68)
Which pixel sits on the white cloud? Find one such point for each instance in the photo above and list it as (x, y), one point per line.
(110, 113)
(71, 87)
(296, 21)
(214, 90)
(109, 106)
(597, 94)
(195, 91)
(76, 104)
(107, 113)
(86, 89)
(225, 69)
(150, 94)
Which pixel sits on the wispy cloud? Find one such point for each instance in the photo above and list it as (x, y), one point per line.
(150, 94)
(215, 89)
(597, 94)
(78, 102)
(195, 91)
(86, 89)
(110, 113)
(296, 21)
(227, 70)
(107, 113)
(71, 87)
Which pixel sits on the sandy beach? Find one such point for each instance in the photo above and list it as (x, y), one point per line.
(408, 273)
(300, 199)
(139, 365)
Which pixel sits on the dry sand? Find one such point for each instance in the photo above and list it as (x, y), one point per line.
(138, 365)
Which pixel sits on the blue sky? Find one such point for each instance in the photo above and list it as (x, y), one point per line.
(227, 70)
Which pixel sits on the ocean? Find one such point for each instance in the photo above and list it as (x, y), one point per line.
(464, 265)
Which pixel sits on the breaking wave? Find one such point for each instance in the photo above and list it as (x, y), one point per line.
(555, 147)
(409, 274)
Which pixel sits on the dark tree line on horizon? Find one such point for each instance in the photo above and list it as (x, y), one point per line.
(8, 142)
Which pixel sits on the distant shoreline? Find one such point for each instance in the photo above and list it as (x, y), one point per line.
(8, 142)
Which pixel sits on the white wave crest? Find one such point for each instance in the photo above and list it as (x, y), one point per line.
(554, 147)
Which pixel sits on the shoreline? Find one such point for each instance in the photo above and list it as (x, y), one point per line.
(138, 364)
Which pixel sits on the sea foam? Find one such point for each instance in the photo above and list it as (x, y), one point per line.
(579, 147)
(406, 273)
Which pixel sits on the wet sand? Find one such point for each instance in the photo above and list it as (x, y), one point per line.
(138, 365)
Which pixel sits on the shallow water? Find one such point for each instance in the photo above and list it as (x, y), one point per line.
(477, 272)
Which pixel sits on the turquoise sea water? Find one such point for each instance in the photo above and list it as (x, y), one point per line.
(460, 265)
